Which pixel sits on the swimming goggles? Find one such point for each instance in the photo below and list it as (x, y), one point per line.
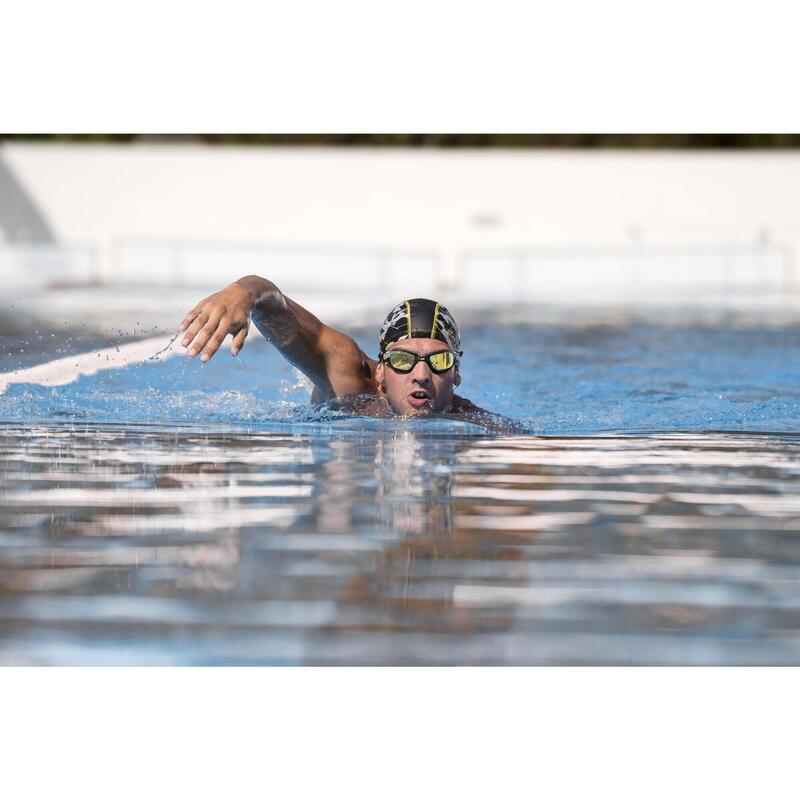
(403, 361)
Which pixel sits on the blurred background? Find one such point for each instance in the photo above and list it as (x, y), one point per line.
(130, 231)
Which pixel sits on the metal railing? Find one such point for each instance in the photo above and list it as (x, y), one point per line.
(631, 273)
(321, 269)
(497, 275)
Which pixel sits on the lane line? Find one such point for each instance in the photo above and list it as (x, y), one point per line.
(67, 370)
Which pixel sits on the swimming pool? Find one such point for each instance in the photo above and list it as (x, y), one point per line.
(179, 513)
(555, 379)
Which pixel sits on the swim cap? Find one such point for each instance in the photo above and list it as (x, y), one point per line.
(420, 319)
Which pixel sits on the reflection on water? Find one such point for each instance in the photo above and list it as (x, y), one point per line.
(396, 545)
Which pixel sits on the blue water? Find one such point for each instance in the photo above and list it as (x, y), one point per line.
(552, 379)
(181, 513)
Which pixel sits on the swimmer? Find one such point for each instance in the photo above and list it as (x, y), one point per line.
(415, 374)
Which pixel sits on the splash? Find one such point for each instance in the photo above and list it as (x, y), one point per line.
(551, 379)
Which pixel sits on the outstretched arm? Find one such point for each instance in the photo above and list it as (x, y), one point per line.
(330, 359)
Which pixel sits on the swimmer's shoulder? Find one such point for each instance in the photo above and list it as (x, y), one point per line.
(461, 406)
(465, 410)
(348, 377)
(365, 404)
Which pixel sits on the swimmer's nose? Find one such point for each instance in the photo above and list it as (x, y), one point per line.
(421, 373)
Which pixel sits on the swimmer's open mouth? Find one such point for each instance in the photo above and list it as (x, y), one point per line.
(419, 399)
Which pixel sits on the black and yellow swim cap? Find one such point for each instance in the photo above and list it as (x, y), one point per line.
(420, 319)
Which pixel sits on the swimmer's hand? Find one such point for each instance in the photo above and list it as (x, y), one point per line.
(212, 319)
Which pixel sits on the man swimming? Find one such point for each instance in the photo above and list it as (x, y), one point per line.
(415, 374)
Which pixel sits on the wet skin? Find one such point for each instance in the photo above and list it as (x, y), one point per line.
(333, 361)
(421, 391)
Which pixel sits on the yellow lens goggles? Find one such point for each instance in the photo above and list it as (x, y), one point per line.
(403, 361)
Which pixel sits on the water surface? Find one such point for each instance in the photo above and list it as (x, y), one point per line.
(554, 379)
(397, 546)
(175, 513)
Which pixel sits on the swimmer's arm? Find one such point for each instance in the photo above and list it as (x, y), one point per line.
(330, 359)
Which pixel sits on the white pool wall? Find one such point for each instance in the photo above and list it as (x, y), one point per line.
(126, 231)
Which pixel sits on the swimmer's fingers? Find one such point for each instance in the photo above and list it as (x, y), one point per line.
(215, 335)
(217, 338)
(212, 325)
(189, 318)
(200, 319)
(202, 311)
(238, 340)
(228, 309)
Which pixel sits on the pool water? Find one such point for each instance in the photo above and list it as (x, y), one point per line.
(180, 513)
(553, 379)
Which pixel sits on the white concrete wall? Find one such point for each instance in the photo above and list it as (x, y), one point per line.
(504, 226)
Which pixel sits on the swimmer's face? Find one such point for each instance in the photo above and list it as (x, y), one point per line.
(421, 391)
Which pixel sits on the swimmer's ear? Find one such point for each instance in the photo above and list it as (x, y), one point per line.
(457, 379)
(379, 376)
